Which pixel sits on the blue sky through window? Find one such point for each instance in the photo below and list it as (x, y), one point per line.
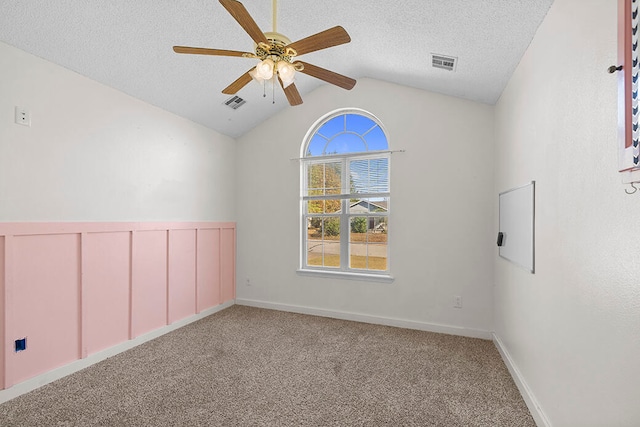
(347, 133)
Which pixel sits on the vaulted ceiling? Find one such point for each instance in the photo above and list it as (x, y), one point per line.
(128, 45)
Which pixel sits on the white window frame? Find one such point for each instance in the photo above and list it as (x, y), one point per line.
(344, 271)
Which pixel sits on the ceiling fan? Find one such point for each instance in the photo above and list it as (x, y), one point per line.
(277, 55)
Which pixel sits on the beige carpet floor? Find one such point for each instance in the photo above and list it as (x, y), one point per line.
(253, 367)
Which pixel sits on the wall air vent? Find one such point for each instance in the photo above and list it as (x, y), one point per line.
(444, 62)
(235, 102)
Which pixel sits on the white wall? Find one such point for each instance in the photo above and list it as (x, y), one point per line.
(573, 328)
(95, 154)
(441, 234)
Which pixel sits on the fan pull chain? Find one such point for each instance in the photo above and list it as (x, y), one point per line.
(274, 89)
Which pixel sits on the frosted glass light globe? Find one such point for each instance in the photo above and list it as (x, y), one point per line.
(264, 70)
(287, 73)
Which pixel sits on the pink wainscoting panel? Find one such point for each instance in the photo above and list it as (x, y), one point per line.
(227, 264)
(208, 265)
(73, 289)
(182, 274)
(42, 228)
(43, 304)
(149, 281)
(3, 319)
(105, 289)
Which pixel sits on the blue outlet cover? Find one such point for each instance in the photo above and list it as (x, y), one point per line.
(21, 344)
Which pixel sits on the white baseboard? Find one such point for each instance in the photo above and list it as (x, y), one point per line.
(55, 374)
(529, 398)
(377, 320)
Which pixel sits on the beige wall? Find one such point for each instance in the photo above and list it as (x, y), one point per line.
(441, 234)
(573, 328)
(95, 154)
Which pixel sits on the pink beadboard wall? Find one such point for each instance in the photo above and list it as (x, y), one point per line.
(227, 260)
(208, 286)
(105, 277)
(43, 303)
(3, 320)
(182, 274)
(149, 273)
(73, 289)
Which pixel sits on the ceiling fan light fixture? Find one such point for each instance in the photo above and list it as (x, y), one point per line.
(254, 75)
(264, 69)
(287, 73)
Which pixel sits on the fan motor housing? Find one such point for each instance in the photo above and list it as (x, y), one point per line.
(276, 48)
(277, 38)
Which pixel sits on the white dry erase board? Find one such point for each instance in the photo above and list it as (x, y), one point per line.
(517, 224)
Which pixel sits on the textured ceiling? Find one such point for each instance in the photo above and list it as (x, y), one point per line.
(127, 45)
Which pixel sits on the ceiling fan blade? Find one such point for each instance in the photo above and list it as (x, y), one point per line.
(205, 51)
(241, 82)
(291, 91)
(328, 76)
(240, 14)
(328, 38)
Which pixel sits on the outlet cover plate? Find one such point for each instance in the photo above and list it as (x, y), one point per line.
(23, 116)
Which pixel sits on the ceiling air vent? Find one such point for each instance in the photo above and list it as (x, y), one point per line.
(445, 62)
(235, 102)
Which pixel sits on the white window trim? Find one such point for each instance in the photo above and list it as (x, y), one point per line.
(343, 271)
(369, 277)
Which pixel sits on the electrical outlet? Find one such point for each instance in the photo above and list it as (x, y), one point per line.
(457, 301)
(23, 116)
(21, 344)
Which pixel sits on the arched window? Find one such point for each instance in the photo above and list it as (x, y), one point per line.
(345, 196)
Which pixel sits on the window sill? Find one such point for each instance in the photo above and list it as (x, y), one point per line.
(381, 278)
